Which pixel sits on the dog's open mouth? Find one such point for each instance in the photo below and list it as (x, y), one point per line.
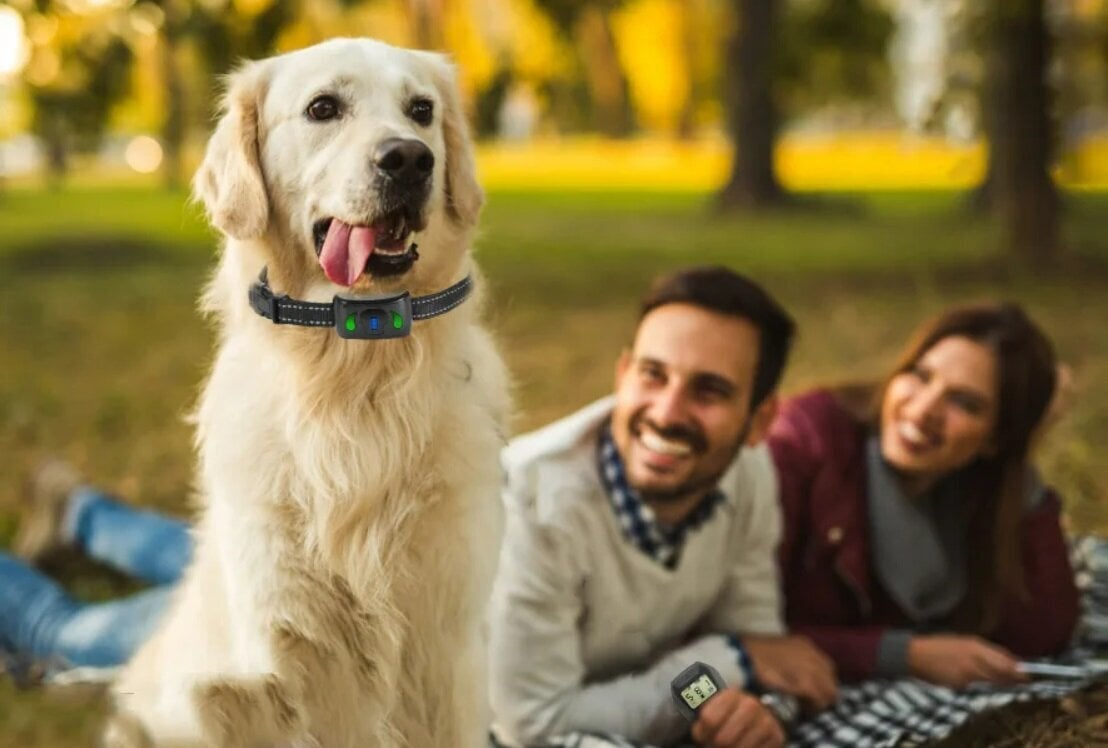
(382, 248)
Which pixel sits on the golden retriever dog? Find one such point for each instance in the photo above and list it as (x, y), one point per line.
(349, 488)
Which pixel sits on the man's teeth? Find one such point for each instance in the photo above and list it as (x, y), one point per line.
(656, 443)
(912, 434)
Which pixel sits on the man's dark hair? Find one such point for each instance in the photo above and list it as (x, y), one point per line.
(721, 290)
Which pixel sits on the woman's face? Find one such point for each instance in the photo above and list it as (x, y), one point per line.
(939, 415)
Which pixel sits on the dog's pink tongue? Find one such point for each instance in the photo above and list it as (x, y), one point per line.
(345, 251)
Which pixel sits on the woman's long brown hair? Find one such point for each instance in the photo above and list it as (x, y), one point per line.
(1026, 372)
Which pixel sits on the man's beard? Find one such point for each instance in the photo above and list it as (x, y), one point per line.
(697, 484)
(698, 443)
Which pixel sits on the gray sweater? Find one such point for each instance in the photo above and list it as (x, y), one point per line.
(586, 630)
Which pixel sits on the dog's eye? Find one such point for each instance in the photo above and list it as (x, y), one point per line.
(421, 111)
(323, 108)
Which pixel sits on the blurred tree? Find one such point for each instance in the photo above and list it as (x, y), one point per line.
(224, 32)
(79, 68)
(427, 18)
(174, 17)
(753, 115)
(589, 24)
(1018, 125)
(659, 44)
(782, 56)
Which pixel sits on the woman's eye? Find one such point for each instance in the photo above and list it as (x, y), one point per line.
(968, 404)
(421, 111)
(323, 108)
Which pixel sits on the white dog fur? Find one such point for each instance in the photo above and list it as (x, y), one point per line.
(350, 515)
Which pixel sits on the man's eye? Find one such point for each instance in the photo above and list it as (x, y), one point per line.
(323, 108)
(421, 111)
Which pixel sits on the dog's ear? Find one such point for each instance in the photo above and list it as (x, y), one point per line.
(464, 196)
(229, 182)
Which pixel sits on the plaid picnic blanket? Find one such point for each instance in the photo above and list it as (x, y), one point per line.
(875, 714)
(908, 712)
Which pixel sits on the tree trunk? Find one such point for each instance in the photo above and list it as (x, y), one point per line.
(427, 23)
(752, 112)
(173, 126)
(609, 90)
(690, 40)
(57, 149)
(1024, 196)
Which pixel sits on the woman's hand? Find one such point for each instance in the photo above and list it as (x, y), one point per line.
(957, 661)
(735, 719)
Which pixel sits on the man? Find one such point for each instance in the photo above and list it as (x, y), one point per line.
(641, 534)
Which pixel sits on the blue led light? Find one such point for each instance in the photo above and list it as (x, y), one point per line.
(374, 322)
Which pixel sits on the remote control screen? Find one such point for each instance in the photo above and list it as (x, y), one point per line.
(697, 692)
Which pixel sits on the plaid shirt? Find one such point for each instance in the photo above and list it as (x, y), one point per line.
(639, 524)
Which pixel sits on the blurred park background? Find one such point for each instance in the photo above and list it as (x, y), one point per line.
(870, 161)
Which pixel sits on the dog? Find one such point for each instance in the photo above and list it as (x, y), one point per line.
(349, 489)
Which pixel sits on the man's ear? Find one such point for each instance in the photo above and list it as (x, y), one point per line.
(229, 182)
(760, 420)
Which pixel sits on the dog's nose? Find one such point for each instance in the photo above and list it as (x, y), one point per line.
(403, 160)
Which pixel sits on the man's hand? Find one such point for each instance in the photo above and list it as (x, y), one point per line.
(957, 661)
(735, 719)
(794, 665)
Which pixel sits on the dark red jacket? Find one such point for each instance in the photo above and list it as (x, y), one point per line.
(831, 592)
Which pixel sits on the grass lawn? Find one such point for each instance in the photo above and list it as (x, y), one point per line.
(103, 350)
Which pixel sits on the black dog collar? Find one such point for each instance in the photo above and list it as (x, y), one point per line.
(361, 318)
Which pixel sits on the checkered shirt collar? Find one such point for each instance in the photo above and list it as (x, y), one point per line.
(636, 518)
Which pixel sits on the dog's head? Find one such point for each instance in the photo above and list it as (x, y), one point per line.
(343, 156)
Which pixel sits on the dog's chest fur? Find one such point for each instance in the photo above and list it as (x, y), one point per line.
(352, 526)
(376, 491)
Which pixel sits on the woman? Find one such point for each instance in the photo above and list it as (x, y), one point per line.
(918, 539)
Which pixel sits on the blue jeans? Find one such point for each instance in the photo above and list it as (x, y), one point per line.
(38, 618)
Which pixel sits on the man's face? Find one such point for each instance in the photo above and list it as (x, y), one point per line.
(683, 400)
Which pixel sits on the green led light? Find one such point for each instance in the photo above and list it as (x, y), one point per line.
(397, 321)
(351, 323)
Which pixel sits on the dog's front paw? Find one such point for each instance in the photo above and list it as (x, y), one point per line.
(247, 712)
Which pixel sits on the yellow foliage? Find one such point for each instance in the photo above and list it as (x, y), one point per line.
(650, 37)
(476, 61)
(386, 20)
(535, 51)
(145, 107)
(297, 35)
(251, 8)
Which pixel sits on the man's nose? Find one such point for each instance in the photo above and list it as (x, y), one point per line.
(669, 406)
